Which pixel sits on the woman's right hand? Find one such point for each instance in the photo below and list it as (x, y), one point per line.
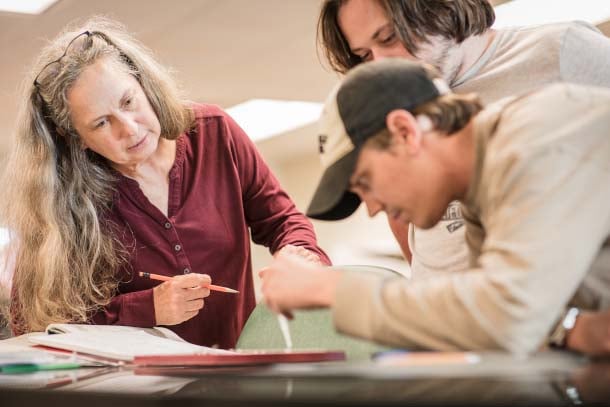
(181, 298)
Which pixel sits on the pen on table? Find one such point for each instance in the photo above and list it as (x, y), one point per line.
(167, 278)
(407, 358)
(14, 369)
(285, 329)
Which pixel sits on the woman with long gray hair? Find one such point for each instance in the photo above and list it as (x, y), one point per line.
(113, 173)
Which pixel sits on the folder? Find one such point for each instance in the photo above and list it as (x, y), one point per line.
(241, 358)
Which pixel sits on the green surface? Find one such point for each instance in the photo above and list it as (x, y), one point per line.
(29, 368)
(312, 329)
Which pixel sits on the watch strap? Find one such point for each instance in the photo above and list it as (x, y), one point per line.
(558, 337)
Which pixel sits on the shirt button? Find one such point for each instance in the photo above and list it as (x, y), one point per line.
(186, 271)
(168, 225)
(177, 247)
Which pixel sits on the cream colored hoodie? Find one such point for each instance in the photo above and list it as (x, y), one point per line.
(537, 213)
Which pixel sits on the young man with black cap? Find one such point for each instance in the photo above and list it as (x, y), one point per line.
(396, 138)
(457, 37)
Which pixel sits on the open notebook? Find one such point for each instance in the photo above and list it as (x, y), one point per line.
(121, 343)
(161, 347)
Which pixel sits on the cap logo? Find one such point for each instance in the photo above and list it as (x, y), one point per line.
(441, 86)
(322, 139)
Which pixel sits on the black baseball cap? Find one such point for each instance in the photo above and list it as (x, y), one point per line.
(355, 111)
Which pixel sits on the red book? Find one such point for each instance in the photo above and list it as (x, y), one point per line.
(241, 358)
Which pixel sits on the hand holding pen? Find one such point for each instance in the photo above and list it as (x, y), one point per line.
(180, 298)
(212, 287)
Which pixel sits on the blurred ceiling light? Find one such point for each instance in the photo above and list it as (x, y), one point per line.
(25, 6)
(532, 12)
(264, 118)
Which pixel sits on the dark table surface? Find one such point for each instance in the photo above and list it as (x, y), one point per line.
(547, 379)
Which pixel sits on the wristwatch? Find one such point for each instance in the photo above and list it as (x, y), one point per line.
(558, 337)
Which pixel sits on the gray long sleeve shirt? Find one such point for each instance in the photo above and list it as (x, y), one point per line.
(519, 59)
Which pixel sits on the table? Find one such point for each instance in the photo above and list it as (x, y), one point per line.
(546, 379)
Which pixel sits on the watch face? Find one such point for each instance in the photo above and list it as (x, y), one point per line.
(557, 339)
(570, 319)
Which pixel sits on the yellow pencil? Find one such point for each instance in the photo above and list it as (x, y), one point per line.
(166, 278)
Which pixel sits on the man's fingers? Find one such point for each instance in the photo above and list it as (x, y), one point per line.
(276, 309)
(261, 272)
(273, 307)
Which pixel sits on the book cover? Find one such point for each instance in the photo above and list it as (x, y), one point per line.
(242, 358)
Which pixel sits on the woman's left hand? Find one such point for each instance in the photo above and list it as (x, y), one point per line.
(301, 252)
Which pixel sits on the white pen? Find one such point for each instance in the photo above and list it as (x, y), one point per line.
(283, 322)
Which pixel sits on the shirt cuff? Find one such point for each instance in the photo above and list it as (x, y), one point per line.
(133, 309)
(139, 309)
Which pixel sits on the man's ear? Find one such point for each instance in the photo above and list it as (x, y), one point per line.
(405, 129)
